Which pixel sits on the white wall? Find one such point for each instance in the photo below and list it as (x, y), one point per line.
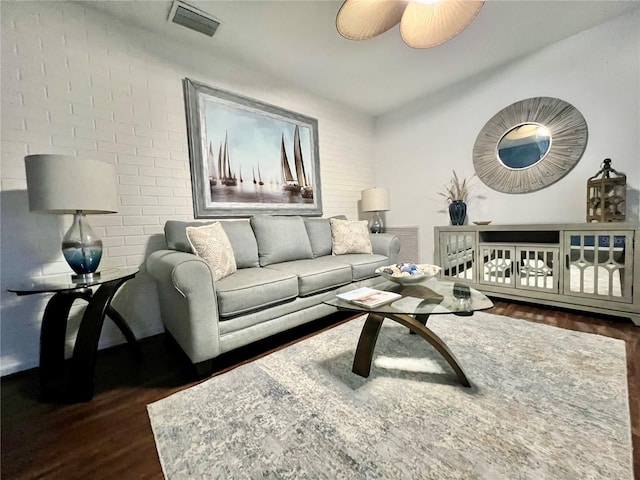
(74, 82)
(597, 71)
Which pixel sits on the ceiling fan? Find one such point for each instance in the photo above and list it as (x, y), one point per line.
(423, 23)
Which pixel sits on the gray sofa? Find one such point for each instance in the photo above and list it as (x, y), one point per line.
(285, 267)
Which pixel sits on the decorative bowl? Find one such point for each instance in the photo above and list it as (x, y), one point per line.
(482, 222)
(408, 272)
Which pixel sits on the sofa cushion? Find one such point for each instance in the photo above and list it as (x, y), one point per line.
(243, 241)
(210, 242)
(253, 289)
(317, 274)
(319, 232)
(280, 238)
(349, 237)
(362, 265)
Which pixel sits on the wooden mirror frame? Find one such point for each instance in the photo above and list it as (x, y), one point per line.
(568, 130)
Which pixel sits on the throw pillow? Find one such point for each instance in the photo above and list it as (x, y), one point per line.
(210, 242)
(348, 236)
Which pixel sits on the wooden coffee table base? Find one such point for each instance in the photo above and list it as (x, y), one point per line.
(369, 336)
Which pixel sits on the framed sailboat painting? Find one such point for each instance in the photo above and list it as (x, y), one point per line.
(248, 157)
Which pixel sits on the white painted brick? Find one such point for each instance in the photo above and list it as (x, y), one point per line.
(131, 190)
(11, 122)
(92, 112)
(112, 262)
(155, 172)
(126, 170)
(173, 201)
(137, 239)
(137, 200)
(181, 218)
(150, 132)
(129, 210)
(135, 160)
(157, 191)
(166, 145)
(126, 250)
(8, 184)
(45, 127)
(106, 220)
(182, 192)
(154, 230)
(112, 126)
(152, 152)
(91, 133)
(171, 164)
(8, 146)
(124, 231)
(187, 210)
(157, 210)
(170, 182)
(181, 173)
(95, 155)
(38, 148)
(142, 220)
(116, 148)
(112, 241)
(69, 119)
(180, 156)
(133, 140)
(62, 141)
(136, 180)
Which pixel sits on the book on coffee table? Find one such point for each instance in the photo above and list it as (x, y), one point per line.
(368, 297)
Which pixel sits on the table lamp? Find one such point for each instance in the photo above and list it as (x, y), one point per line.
(375, 200)
(63, 184)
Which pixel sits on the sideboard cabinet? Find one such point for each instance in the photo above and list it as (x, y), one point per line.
(586, 266)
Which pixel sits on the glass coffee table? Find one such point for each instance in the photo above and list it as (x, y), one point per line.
(418, 301)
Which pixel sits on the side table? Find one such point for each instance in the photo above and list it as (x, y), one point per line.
(78, 383)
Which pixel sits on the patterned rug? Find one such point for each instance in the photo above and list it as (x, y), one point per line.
(546, 403)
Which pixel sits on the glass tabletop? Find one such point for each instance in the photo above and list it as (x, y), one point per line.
(61, 283)
(431, 296)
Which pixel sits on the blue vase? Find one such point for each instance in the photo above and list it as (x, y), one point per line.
(457, 212)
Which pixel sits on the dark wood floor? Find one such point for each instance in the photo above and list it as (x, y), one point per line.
(110, 436)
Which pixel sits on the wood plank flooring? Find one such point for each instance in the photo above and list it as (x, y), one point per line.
(110, 436)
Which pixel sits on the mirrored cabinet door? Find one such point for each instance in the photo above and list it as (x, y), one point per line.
(599, 265)
(497, 264)
(458, 253)
(538, 268)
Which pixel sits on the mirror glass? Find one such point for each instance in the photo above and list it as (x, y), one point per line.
(524, 145)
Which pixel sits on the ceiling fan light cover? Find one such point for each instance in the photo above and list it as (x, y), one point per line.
(364, 19)
(428, 25)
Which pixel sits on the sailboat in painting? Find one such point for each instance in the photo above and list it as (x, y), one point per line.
(306, 189)
(211, 164)
(288, 182)
(226, 177)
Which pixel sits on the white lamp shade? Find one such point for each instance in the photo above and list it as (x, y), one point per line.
(64, 184)
(375, 200)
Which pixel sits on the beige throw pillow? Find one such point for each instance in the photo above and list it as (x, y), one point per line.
(349, 237)
(210, 242)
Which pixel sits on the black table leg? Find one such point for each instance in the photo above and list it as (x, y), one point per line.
(52, 341)
(86, 347)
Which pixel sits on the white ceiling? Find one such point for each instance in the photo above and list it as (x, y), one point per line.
(297, 41)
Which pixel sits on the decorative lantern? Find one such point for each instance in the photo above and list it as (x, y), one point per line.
(606, 196)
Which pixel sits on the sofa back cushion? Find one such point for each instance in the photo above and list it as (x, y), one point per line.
(243, 241)
(280, 238)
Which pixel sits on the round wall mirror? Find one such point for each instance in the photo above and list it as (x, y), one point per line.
(524, 145)
(529, 145)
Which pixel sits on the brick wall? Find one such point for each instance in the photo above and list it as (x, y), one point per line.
(76, 82)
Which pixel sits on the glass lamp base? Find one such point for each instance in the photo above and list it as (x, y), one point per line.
(82, 248)
(376, 225)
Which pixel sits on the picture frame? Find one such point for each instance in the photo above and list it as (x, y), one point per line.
(249, 157)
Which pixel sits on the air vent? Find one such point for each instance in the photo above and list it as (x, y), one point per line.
(193, 18)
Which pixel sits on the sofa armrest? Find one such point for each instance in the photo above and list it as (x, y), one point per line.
(386, 244)
(188, 305)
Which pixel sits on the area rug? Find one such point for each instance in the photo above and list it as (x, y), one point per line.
(545, 403)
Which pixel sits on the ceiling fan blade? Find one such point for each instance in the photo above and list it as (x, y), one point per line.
(427, 25)
(364, 19)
